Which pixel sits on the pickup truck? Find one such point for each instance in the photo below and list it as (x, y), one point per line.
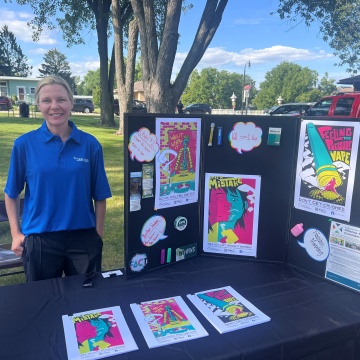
(346, 105)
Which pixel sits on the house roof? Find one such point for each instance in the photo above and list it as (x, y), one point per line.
(18, 78)
(138, 86)
(350, 80)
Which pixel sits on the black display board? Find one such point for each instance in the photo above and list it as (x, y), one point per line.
(139, 258)
(274, 163)
(298, 255)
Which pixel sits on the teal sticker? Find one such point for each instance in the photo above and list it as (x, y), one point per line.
(186, 252)
(274, 136)
(180, 223)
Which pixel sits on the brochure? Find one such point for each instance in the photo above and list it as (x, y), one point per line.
(97, 334)
(167, 321)
(226, 309)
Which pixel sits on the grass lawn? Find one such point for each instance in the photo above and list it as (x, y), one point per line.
(113, 252)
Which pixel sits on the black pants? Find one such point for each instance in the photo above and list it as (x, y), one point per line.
(49, 255)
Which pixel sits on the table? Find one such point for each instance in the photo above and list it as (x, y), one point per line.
(311, 318)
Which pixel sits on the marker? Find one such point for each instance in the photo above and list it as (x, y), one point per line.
(219, 138)
(211, 134)
(168, 258)
(162, 257)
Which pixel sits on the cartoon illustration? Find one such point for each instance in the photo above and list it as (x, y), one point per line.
(227, 209)
(326, 166)
(327, 176)
(165, 317)
(96, 332)
(225, 306)
(231, 213)
(177, 164)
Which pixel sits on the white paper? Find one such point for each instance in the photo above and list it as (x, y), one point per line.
(226, 309)
(97, 334)
(167, 321)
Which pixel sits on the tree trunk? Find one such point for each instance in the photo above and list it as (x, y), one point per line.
(124, 75)
(107, 107)
(157, 61)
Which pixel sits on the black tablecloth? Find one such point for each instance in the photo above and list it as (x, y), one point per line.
(311, 318)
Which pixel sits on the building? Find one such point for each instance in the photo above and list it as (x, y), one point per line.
(354, 81)
(21, 87)
(138, 91)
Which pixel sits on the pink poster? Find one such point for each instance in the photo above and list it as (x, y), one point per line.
(231, 214)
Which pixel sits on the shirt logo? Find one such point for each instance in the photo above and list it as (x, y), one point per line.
(81, 159)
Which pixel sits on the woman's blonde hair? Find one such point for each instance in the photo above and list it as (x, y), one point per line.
(53, 80)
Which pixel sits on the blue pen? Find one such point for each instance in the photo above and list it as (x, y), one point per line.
(219, 138)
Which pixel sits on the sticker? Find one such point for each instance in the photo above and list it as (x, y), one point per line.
(274, 136)
(153, 230)
(186, 252)
(138, 262)
(135, 191)
(147, 180)
(245, 136)
(180, 223)
(315, 244)
(143, 145)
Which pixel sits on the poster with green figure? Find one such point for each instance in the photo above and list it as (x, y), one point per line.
(231, 212)
(177, 162)
(326, 167)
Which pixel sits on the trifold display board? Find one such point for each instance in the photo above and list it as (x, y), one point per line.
(237, 186)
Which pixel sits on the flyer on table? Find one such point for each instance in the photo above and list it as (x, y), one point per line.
(231, 213)
(97, 334)
(226, 309)
(167, 321)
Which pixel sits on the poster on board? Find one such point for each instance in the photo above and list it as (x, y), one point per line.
(342, 265)
(326, 167)
(231, 213)
(177, 162)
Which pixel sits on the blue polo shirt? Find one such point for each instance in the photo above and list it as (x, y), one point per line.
(61, 180)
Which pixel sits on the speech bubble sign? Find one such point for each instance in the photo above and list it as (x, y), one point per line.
(143, 145)
(316, 244)
(245, 136)
(153, 230)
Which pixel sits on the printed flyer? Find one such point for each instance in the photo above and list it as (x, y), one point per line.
(231, 213)
(226, 309)
(326, 167)
(97, 334)
(177, 162)
(167, 321)
(343, 262)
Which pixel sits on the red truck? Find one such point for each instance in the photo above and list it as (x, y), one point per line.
(345, 105)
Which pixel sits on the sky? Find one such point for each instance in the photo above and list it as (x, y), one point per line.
(248, 32)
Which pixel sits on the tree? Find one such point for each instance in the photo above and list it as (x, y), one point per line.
(90, 81)
(339, 25)
(77, 17)
(215, 88)
(158, 49)
(55, 63)
(326, 85)
(287, 80)
(12, 60)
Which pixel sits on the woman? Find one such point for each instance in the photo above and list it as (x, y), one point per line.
(62, 170)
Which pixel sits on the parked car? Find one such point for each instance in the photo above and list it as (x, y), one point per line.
(197, 109)
(83, 105)
(345, 105)
(138, 106)
(5, 103)
(291, 109)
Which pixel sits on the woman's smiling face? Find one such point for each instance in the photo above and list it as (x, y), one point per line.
(55, 105)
